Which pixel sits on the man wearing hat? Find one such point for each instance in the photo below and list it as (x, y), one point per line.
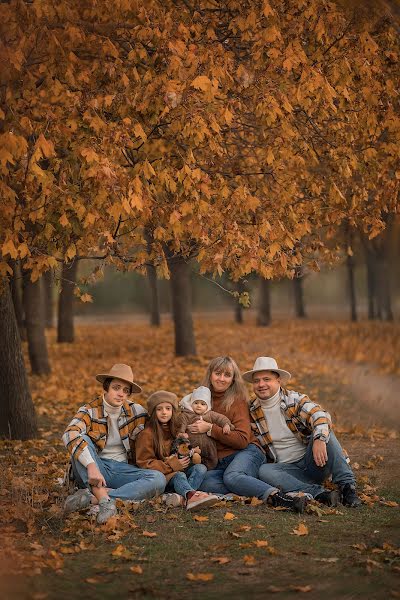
(100, 439)
(297, 437)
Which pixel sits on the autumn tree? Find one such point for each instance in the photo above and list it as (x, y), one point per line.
(229, 131)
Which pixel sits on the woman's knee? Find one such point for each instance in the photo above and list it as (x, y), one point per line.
(199, 469)
(158, 480)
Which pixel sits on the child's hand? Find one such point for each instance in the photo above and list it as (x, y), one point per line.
(185, 461)
(197, 449)
(226, 429)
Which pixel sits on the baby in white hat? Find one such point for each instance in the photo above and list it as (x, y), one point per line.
(195, 407)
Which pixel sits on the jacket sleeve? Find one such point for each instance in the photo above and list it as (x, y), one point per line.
(80, 425)
(218, 419)
(314, 417)
(147, 459)
(240, 419)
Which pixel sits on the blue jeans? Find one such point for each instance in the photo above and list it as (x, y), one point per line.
(238, 473)
(305, 476)
(126, 481)
(187, 481)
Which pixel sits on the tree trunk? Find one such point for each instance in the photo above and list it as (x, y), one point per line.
(65, 326)
(37, 345)
(351, 287)
(239, 287)
(371, 283)
(155, 319)
(181, 292)
(264, 307)
(47, 283)
(16, 293)
(383, 282)
(300, 310)
(17, 413)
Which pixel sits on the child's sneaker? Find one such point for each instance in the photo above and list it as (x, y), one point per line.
(107, 509)
(78, 501)
(173, 500)
(198, 500)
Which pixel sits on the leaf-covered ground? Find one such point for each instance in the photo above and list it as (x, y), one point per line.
(235, 549)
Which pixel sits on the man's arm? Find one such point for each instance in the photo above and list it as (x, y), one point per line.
(73, 435)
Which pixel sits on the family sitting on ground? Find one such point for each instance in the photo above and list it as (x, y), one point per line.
(279, 447)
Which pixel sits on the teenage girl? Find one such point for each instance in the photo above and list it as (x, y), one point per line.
(153, 451)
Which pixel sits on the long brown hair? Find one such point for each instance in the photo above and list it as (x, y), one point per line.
(159, 432)
(237, 389)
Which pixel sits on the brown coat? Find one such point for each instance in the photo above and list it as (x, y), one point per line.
(242, 436)
(206, 444)
(146, 456)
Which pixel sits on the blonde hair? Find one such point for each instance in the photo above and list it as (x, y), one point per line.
(237, 389)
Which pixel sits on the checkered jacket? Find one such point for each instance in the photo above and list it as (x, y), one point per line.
(91, 420)
(304, 418)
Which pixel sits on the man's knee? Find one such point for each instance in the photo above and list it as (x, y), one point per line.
(158, 481)
(270, 473)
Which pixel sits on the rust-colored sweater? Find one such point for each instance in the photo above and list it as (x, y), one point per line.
(146, 456)
(241, 436)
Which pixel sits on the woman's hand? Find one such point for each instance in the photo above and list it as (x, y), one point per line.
(199, 427)
(320, 453)
(95, 478)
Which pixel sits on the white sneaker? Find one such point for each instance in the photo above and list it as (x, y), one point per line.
(77, 501)
(107, 509)
(201, 500)
(173, 500)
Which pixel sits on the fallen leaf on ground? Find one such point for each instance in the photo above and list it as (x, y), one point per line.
(200, 519)
(391, 503)
(301, 530)
(149, 534)
(93, 580)
(229, 516)
(136, 569)
(221, 560)
(249, 559)
(274, 589)
(199, 576)
(301, 588)
(260, 543)
(256, 502)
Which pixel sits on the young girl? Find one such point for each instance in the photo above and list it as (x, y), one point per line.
(153, 451)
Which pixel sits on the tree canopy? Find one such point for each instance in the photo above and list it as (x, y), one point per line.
(237, 132)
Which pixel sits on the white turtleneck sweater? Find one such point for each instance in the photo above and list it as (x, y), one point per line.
(114, 448)
(288, 447)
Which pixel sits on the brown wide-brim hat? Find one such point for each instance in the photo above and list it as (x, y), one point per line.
(159, 397)
(123, 372)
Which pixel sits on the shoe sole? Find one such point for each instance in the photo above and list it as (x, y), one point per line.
(203, 504)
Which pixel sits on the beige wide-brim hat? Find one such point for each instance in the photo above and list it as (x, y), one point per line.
(266, 363)
(120, 371)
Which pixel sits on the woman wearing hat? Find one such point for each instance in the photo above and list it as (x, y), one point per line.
(240, 455)
(100, 439)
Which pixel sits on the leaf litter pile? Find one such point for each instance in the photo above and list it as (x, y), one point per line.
(147, 546)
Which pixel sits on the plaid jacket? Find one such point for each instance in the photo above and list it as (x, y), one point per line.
(91, 420)
(303, 417)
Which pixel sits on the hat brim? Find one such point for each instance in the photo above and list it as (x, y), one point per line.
(136, 389)
(284, 375)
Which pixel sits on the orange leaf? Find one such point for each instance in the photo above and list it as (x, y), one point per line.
(229, 516)
(136, 569)
(301, 530)
(221, 560)
(200, 576)
(260, 543)
(200, 519)
(301, 588)
(150, 534)
(249, 559)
